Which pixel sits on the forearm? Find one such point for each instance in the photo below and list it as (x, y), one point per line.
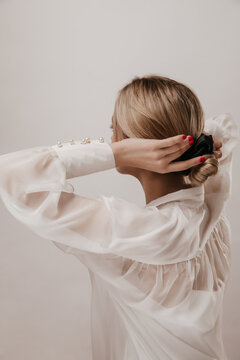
(27, 173)
(83, 159)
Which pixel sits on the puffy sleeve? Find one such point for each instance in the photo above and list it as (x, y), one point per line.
(218, 188)
(34, 187)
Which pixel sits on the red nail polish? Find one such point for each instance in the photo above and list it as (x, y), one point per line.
(202, 159)
(190, 138)
(184, 136)
(191, 142)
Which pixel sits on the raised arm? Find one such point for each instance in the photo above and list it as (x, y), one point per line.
(218, 187)
(34, 188)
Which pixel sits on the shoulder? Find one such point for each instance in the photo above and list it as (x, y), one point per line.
(153, 235)
(125, 213)
(116, 203)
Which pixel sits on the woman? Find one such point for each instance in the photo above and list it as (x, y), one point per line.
(158, 271)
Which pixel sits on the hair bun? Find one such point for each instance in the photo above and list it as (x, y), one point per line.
(203, 145)
(198, 174)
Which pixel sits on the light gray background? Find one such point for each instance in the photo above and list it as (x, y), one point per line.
(61, 65)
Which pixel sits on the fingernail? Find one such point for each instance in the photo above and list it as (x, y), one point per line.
(191, 142)
(190, 138)
(184, 136)
(202, 159)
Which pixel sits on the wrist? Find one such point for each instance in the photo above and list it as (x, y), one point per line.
(118, 152)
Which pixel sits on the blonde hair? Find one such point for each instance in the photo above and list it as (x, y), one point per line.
(157, 107)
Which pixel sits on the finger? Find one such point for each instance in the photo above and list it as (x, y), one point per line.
(183, 165)
(217, 143)
(178, 148)
(171, 141)
(218, 154)
(177, 153)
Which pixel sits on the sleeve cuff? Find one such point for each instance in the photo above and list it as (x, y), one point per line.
(85, 158)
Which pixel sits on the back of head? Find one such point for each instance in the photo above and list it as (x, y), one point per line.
(156, 107)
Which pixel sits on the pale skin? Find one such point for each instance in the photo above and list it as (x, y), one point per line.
(150, 161)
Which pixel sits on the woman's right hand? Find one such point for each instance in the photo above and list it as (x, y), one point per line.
(155, 155)
(216, 147)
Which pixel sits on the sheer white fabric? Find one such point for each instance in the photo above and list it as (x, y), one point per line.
(158, 272)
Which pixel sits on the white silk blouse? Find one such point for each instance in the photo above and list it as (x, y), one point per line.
(158, 272)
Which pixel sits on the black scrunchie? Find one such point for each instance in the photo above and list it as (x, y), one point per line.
(203, 145)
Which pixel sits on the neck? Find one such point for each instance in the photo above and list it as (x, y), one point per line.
(156, 185)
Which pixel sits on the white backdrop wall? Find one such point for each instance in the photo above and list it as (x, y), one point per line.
(61, 65)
